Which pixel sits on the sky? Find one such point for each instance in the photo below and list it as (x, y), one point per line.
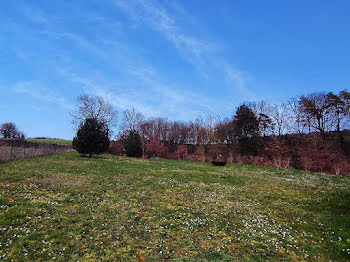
(168, 58)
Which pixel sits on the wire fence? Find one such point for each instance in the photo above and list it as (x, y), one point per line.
(18, 148)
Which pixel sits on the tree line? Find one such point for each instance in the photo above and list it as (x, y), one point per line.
(253, 121)
(306, 132)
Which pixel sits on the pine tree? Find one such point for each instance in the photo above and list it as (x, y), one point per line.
(91, 138)
(133, 144)
(246, 130)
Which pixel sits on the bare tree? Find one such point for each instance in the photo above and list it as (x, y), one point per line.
(296, 114)
(147, 130)
(280, 117)
(132, 120)
(95, 107)
(260, 107)
(224, 132)
(200, 131)
(210, 125)
(9, 130)
(162, 128)
(316, 109)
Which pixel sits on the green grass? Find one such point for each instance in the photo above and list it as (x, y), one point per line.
(52, 141)
(67, 207)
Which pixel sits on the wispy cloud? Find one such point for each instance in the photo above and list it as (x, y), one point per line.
(153, 97)
(157, 17)
(41, 93)
(139, 85)
(198, 52)
(236, 79)
(34, 14)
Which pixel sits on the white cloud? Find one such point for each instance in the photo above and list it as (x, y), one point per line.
(34, 14)
(41, 93)
(153, 96)
(236, 79)
(141, 85)
(197, 52)
(156, 17)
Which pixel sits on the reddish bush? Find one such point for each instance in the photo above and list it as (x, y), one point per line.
(249, 160)
(238, 159)
(180, 153)
(278, 153)
(341, 167)
(319, 155)
(117, 147)
(261, 161)
(198, 155)
(155, 148)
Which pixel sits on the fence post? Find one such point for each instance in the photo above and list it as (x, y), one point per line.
(43, 148)
(24, 150)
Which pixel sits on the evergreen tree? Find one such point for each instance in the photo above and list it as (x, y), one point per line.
(246, 130)
(133, 144)
(91, 138)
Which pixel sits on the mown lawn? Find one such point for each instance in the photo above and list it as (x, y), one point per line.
(66, 207)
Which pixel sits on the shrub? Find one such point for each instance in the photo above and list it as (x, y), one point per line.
(341, 167)
(117, 147)
(155, 148)
(180, 153)
(317, 154)
(198, 155)
(278, 153)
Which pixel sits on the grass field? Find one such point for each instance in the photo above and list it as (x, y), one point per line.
(52, 141)
(66, 207)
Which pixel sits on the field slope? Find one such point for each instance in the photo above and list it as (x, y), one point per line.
(65, 207)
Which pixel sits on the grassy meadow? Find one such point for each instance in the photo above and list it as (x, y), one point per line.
(66, 207)
(52, 141)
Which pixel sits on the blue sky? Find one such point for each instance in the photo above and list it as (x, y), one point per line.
(174, 59)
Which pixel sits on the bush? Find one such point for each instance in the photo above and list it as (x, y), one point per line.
(279, 154)
(155, 148)
(180, 153)
(133, 144)
(318, 155)
(91, 138)
(198, 155)
(117, 147)
(341, 167)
